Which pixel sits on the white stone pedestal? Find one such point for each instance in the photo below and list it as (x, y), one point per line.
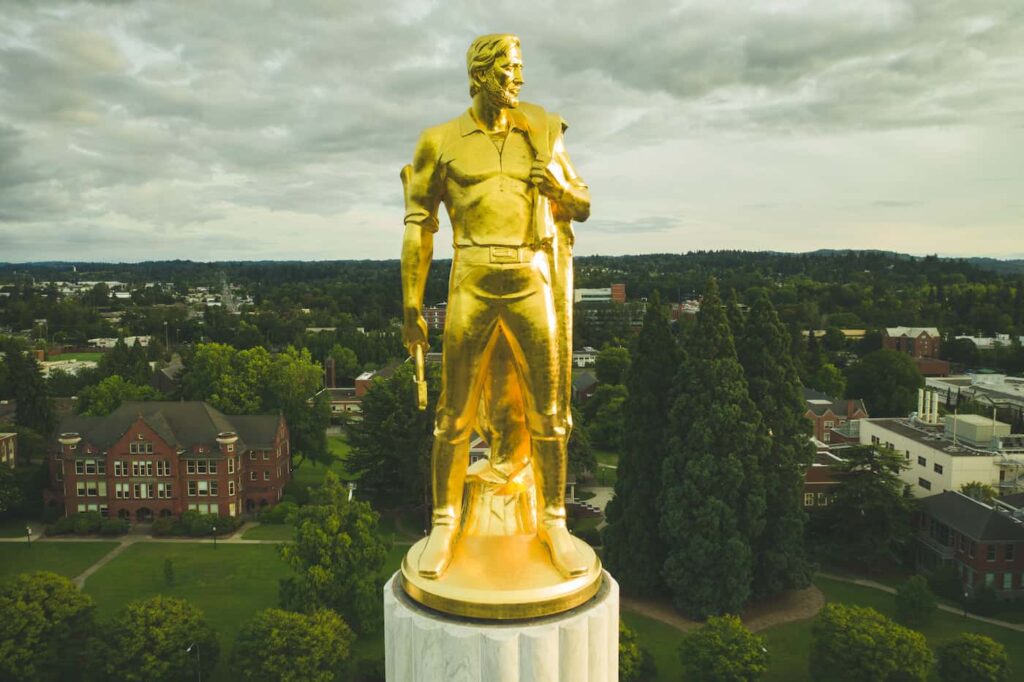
(579, 645)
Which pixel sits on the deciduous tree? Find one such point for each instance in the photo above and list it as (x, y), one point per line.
(338, 555)
(723, 650)
(973, 658)
(612, 365)
(887, 381)
(853, 644)
(107, 396)
(283, 646)
(45, 624)
(155, 640)
(915, 603)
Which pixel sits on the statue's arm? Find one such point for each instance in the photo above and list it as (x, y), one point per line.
(422, 199)
(574, 198)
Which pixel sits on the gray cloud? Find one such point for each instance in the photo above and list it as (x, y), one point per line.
(175, 114)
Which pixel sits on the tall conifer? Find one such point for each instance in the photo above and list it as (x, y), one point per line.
(780, 562)
(634, 550)
(712, 499)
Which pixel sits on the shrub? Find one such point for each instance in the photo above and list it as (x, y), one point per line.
(114, 527)
(279, 513)
(973, 658)
(915, 603)
(165, 525)
(945, 582)
(82, 523)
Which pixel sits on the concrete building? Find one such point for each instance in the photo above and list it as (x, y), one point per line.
(8, 449)
(587, 357)
(149, 459)
(616, 293)
(943, 455)
(1000, 392)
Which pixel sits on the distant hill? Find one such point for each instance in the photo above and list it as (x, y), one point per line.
(1003, 267)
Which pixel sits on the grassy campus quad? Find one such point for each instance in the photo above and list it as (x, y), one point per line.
(12, 528)
(65, 558)
(279, 532)
(81, 357)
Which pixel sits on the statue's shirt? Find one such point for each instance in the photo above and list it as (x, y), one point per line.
(486, 190)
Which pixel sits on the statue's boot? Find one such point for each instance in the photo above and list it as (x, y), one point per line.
(449, 461)
(549, 472)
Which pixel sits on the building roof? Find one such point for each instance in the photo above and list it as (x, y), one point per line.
(581, 381)
(179, 424)
(974, 519)
(819, 403)
(931, 438)
(911, 331)
(1016, 500)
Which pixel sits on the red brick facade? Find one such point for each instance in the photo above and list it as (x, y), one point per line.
(141, 476)
(918, 343)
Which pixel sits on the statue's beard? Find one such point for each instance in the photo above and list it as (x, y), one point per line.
(504, 97)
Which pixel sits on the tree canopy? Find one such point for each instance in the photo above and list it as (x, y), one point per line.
(723, 650)
(887, 381)
(284, 646)
(973, 658)
(852, 644)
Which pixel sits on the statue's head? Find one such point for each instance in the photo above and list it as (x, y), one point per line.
(495, 66)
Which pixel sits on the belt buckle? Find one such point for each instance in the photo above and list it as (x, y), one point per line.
(504, 254)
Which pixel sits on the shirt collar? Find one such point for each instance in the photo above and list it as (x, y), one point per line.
(468, 124)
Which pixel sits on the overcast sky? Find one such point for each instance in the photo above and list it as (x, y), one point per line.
(276, 130)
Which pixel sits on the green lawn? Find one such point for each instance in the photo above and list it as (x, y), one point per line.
(661, 640)
(283, 532)
(88, 357)
(12, 528)
(230, 583)
(66, 558)
(604, 475)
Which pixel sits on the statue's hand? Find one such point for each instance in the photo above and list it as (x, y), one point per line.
(414, 331)
(544, 181)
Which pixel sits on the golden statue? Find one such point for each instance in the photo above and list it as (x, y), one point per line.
(499, 546)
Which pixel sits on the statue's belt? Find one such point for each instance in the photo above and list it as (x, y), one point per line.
(484, 255)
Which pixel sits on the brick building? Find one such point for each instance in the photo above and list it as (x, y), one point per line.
(149, 459)
(821, 480)
(983, 543)
(829, 415)
(918, 342)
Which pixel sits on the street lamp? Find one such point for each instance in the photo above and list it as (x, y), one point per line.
(351, 489)
(215, 537)
(28, 536)
(966, 595)
(199, 665)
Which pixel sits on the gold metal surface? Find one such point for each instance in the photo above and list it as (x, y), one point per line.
(503, 174)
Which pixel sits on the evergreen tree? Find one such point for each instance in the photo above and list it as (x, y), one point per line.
(25, 383)
(712, 502)
(634, 550)
(780, 560)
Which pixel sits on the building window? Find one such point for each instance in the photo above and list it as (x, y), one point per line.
(266, 454)
(922, 461)
(252, 475)
(938, 468)
(214, 488)
(190, 467)
(990, 579)
(80, 488)
(120, 467)
(163, 467)
(121, 491)
(192, 488)
(200, 466)
(829, 424)
(213, 466)
(204, 488)
(231, 488)
(990, 553)
(1007, 581)
(1008, 552)
(924, 484)
(139, 447)
(827, 437)
(252, 455)
(266, 475)
(231, 465)
(822, 500)
(79, 466)
(142, 491)
(875, 440)
(907, 457)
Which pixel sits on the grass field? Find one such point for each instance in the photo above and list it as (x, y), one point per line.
(86, 357)
(66, 558)
(12, 528)
(282, 532)
(607, 458)
(229, 583)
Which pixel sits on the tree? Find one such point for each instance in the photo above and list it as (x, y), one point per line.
(230, 380)
(887, 381)
(107, 396)
(915, 603)
(154, 640)
(612, 365)
(603, 414)
(829, 380)
(774, 385)
(391, 445)
(633, 549)
(25, 383)
(853, 644)
(635, 663)
(291, 383)
(338, 556)
(46, 622)
(10, 489)
(869, 519)
(346, 363)
(581, 453)
(712, 498)
(982, 492)
(282, 646)
(723, 650)
(973, 658)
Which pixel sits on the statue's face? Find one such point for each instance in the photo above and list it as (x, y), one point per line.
(502, 83)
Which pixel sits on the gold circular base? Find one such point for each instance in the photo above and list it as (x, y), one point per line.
(501, 577)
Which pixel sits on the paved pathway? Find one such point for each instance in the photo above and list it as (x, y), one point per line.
(945, 607)
(125, 542)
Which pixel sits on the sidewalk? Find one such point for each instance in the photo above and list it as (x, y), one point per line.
(944, 607)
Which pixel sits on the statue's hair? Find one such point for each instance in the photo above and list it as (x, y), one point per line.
(482, 54)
